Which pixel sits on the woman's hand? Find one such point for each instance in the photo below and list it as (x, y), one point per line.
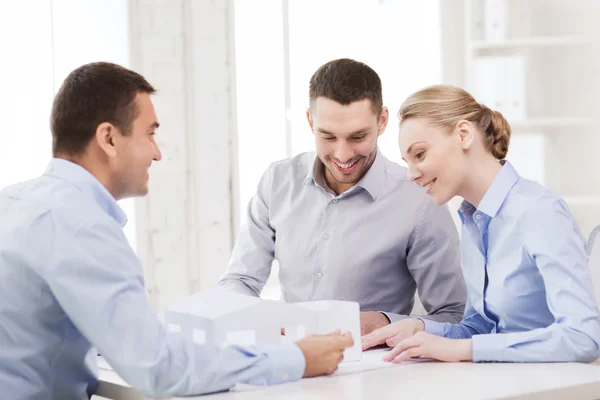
(427, 345)
(392, 334)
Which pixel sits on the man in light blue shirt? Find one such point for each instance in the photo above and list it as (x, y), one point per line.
(71, 286)
(344, 222)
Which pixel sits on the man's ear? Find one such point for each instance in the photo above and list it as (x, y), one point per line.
(383, 120)
(309, 118)
(465, 132)
(105, 138)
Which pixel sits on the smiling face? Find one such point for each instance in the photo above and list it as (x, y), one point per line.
(135, 152)
(345, 139)
(436, 158)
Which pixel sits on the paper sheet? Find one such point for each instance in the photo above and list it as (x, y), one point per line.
(371, 360)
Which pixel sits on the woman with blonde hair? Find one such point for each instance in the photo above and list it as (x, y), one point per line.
(530, 297)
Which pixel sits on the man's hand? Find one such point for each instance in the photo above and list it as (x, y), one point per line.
(392, 334)
(427, 345)
(323, 353)
(371, 320)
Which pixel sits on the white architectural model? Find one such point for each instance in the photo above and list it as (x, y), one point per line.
(223, 318)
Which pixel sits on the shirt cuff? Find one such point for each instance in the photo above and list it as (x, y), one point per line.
(287, 362)
(433, 327)
(394, 317)
(237, 287)
(488, 347)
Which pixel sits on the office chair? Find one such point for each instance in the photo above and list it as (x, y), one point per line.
(591, 239)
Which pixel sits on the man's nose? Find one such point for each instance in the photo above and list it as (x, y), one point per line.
(344, 152)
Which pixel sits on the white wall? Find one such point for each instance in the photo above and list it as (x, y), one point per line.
(26, 79)
(185, 49)
(42, 48)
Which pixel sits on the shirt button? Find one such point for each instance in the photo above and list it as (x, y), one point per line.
(285, 377)
(335, 200)
(325, 236)
(319, 275)
(478, 216)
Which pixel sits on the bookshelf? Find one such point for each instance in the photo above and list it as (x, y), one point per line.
(538, 62)
(534, 41)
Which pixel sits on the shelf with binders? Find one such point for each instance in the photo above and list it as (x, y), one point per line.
(542, 74)
(570, 162)
(510, 24)
(519, 44)
(550, 123)
(541, 91)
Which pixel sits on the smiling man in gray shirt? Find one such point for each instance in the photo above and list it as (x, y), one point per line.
(344, 223)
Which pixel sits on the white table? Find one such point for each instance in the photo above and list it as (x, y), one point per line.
(421, 380)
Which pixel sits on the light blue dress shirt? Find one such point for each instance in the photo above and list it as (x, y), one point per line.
(70, 281)
(374, 244)
(538, 304)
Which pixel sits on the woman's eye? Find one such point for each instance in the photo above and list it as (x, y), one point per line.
(420, 155)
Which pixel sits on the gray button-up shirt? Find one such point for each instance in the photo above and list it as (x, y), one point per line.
(374, 244)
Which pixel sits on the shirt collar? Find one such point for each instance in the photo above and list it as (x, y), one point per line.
(371, 182)
(373, 179)
(495, 195)
(315, 173)
(311, 171)
(87, 183)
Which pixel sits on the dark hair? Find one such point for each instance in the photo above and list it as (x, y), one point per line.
(346, 81)
(92, 94)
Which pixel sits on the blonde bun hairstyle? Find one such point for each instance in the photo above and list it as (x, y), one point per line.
(445, 106)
